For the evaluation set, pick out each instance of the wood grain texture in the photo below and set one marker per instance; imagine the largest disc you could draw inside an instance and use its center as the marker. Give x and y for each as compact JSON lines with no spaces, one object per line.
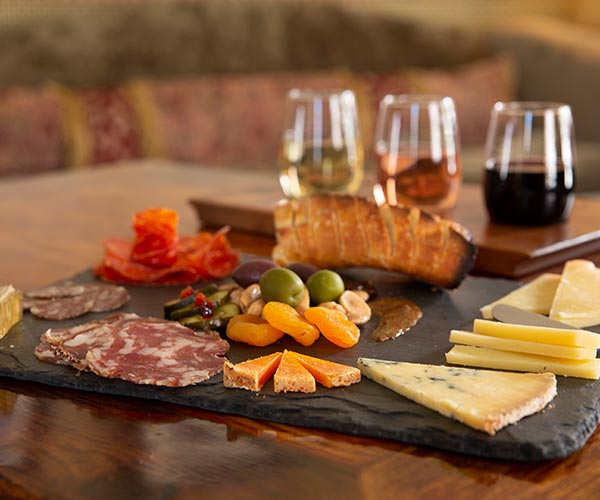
{"x":58,"y":443}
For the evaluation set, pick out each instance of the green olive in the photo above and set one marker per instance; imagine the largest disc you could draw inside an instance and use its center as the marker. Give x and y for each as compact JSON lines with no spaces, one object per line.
{"x":325,"y":286}
{"x":281,"y":285}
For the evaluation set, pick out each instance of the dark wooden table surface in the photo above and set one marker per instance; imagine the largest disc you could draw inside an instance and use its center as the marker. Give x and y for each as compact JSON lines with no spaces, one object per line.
{"x":57,"y":443}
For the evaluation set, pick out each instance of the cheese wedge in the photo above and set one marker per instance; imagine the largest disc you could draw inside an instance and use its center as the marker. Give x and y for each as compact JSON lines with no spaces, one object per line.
{"x":556,"y":336}
{"x":577,"y":298}
{"x":11,"y":311}
{"x":291,"y":376}
{"x":535,"y":296}
{"x":252,"y":374}
{"x":517,"y":361}
{"x":327,"y":373}
{"x":482,"y":399}
{"x":556,"y":351}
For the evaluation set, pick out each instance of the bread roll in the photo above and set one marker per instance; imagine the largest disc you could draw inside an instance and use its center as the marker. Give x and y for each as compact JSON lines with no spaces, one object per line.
{"x":347,"y":231}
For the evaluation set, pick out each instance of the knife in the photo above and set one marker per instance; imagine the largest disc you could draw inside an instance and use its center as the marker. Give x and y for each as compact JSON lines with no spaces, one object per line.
{"x":512,"y":314}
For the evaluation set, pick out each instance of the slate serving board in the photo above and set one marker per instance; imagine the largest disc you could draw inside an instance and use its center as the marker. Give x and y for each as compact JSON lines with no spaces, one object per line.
{"x":364,"y":409}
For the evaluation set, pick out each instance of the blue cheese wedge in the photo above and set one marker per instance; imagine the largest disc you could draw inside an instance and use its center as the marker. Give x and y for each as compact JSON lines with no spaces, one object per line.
{"x":482,"y":399}
{"x":11,"y":311}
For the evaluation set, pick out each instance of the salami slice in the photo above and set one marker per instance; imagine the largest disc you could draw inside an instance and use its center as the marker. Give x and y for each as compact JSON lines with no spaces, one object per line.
{"x":158,"y":353}
{"x":67,"y":289}
{"x":65,"y":308}
{"x":106,"y":297}
{"x":45,"y":351}
{"x":72,"y":344}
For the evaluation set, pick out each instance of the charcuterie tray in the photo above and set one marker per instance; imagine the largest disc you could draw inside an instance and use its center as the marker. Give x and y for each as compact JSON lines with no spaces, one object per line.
{"x":364,"y":409}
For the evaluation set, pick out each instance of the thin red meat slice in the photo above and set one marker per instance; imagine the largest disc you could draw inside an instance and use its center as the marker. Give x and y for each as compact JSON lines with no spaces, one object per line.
{"x":158,"y":353}
{"x":65,"y":308}
{"x":106,"y":297}
{"x":45,"y":351}
{"x":72,"y":344}
{"x":66,"y":289}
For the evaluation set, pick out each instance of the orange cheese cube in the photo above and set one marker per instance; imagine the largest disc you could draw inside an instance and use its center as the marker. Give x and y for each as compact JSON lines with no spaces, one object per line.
{"x":328,"y":373}
{"x":291,"y":376}
{"x":252,"y":374}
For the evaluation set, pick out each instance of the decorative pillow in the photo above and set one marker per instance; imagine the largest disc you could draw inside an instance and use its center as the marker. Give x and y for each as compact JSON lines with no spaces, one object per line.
{"x":475,"y":88}
{"x":213,"y":120}
{"x":31,"y":136}
{"x":223,"y":120}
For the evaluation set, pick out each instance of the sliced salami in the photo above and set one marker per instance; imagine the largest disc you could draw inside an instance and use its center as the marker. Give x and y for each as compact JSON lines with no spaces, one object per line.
{"x":64,"y":308}
{"x":67,"y":289}
{"x":49,"y":353}
{"x":106,"y":297}
{"x":140,"y":350}
{"x":72,"y":344}
{"x":70,"y":301}
{"x":158,"y":353}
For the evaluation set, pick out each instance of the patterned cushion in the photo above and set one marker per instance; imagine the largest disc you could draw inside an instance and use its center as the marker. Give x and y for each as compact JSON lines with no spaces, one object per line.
{"x":213,"y":120}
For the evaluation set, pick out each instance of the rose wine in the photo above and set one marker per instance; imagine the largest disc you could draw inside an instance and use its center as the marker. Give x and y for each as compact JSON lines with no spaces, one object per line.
{"x":528,"y":193}
{"x":422,"y":181}
{"x":308,"y":169}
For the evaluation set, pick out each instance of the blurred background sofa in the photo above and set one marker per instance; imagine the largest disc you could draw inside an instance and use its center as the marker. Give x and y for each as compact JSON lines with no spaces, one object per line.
{"x":87,"y":83}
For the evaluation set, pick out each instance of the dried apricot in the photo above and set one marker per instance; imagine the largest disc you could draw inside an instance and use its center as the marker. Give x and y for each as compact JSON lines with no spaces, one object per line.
{"x":252,"y":329}
{"x":286,"y":318}
{"x":334,"y":325}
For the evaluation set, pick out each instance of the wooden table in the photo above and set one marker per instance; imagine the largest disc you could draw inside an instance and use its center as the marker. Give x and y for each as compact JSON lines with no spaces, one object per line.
{"x":57,"y":443}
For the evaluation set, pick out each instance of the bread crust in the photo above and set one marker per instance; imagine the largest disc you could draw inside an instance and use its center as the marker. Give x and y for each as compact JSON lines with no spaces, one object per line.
{"x":407,"y":240}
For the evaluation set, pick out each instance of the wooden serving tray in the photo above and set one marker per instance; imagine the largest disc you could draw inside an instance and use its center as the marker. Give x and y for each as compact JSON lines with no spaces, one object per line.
{"x":509,"y":251}
{"x":364,"y":409}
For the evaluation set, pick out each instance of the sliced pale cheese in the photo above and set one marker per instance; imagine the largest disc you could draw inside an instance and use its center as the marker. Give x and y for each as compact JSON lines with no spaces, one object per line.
{"x":535,"y":296}
{"x":556,"y":351}
{"x":577,"y":298}
{"x":556,"y":336}
{"x":504,"y":360}
{"x":11,"y":311}
{"x":483,"y":399}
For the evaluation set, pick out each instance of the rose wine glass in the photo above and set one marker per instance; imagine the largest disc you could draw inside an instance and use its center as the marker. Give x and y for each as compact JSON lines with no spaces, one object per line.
{"x":418,"y":152}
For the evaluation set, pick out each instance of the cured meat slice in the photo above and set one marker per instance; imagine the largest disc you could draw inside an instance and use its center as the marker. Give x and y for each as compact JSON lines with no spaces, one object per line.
{"x":65,"y":308}
{"x":69,"y":301}
{"x":158,"y":353}
{"x":45,"y":351}
{"x":72,"y":344}
{"x":106,"y":297}
{"x":67,"y":289}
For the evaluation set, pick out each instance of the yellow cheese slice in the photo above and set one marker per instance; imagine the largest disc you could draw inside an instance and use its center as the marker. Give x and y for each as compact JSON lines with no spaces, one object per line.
{"x":11,"y":311}
{"x":577,"y":299}
{"x":535,"y":296}
{"x":482,"y":399}
{"x":517,"y":361}
{"x":556,"y":336}
{"x":556,"y":351}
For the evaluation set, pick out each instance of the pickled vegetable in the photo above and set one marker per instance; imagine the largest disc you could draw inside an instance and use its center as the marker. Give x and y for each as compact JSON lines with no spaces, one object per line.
{"x":281,"y":285}
{"x":324,"y":286}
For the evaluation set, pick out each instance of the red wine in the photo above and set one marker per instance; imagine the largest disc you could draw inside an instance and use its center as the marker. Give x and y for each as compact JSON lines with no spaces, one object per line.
{"x":527,"y":194}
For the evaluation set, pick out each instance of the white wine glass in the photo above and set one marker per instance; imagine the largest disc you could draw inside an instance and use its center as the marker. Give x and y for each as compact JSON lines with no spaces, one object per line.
{"x":321,"y":148}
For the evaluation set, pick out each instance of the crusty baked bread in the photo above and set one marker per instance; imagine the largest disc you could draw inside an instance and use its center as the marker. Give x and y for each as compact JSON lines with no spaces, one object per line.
{"x":343,"y":231}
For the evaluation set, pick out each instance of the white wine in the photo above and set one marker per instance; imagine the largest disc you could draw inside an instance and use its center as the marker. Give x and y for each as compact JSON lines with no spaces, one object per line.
{"x":308,"y":169}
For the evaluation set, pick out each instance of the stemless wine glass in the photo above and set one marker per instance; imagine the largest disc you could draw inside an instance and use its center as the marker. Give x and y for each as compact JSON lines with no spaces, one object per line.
{"x":418,"y":152}
{"x":529,"y":174}
{"x":321,"y":148}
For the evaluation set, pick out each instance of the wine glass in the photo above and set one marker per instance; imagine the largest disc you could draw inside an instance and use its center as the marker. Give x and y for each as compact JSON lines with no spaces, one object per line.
{"x":529,"y":176}
{"x":418,"y":152}
{"x":321,"y":148}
